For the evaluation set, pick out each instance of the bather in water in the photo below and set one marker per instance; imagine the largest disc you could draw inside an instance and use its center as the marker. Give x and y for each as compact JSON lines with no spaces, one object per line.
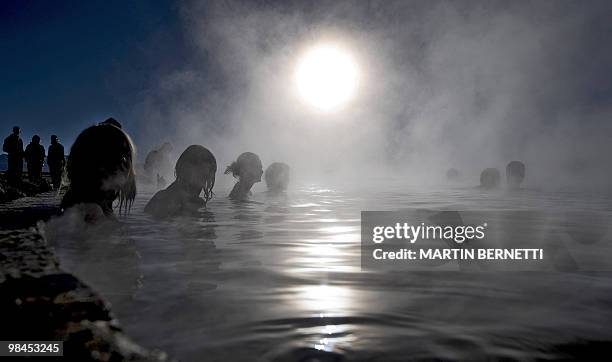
{"x":515,"y":174}
{"x":195,"y":172}
{"x":489,"y":178}
{"x":158,"y":165}
{"x":277,"y":177}
{"x":100,"y":170}
{"x":452,"y":174}
{"x":248,"y":170}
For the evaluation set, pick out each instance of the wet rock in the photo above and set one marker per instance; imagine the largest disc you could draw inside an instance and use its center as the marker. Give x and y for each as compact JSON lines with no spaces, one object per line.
{"x":25,"y":188}
{"x":25,"y":212}
{"x":39,"y":301}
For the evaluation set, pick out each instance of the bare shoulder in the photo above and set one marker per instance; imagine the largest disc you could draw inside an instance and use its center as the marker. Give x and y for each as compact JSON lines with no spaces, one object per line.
{"x":163,"y":203}
{"x":159,"y":199}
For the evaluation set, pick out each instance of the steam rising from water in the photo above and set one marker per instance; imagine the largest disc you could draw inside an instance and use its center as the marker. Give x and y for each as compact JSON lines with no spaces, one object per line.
{"x":443,"y":84}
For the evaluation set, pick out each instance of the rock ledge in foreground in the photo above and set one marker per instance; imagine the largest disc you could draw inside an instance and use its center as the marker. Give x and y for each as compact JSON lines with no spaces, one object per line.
{"x":41,"y":302}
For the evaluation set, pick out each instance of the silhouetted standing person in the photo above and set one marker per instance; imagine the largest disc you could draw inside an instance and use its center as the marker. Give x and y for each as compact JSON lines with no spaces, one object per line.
{"x":13,"y":146}
{"x":55,"y":160}
{"x":35,"y":156}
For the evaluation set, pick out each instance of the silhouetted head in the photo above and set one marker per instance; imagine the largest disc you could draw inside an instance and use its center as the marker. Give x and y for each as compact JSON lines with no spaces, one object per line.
{"x":36,"y":139}
{"x":452,"y":174}
{"x":16,"y":130}
{"x":247,"y":168}
{"x":195,"y":169}
{"x":489,"y":178}
{"x":277,"y":176}
{"x":112,"y":121}
{"x":100,"y":169}
{"x":515,"y":174}
{"x":53,"y":139}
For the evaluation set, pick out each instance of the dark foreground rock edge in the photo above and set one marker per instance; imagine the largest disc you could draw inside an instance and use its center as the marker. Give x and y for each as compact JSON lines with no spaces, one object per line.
{"x":23,"y":189}
{"x":41,"y":302}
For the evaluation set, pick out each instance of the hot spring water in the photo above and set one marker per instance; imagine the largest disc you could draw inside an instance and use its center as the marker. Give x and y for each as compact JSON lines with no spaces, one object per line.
{"x":280,"y":279}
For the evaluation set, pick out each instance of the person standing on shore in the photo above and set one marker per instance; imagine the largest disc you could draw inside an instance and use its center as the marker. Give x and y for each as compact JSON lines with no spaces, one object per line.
{"x":35,"y":156}
{"x":56,"y":161}
{"x":13,"y":146}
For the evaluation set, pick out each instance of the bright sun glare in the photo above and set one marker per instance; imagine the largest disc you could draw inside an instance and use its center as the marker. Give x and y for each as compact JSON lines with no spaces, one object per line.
{"x":326,"y":77}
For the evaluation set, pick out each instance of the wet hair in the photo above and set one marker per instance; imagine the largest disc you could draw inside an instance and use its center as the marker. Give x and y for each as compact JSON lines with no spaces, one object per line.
{"x":244,"y":161}
{"x":112,"y":121}
{"x":277,"y":176}
{"x":190,"y":162}
{"x":100,"y":169}
{"x":489,"y":178}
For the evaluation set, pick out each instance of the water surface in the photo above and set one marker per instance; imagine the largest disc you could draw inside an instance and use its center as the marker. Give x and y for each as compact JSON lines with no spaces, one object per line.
{"x":280,"y":279}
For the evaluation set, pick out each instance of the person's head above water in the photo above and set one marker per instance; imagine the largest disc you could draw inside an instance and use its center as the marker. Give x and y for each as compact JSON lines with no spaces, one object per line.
{"x":277,"y":176}
{"x":489,"y":178}
{"x":100,"y":169}
{"x":36,"y":139}
{"x":16,"y":130}
{"x":246,"y":168}
{"x":452,"y":174}
{"x":515,"y":174}
{"x":53,"y":139}
{"x":166,"y":147}
{"x":195,"y":170}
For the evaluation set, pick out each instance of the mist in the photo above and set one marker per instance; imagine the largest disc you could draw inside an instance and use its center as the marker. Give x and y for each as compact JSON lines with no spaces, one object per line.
{"x":442,"y":84}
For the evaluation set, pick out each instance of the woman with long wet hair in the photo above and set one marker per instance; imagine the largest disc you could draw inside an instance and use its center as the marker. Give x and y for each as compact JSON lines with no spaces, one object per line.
{"x":195,"y":174}
{"x":100,"y":170}
{"x":248,"y":170}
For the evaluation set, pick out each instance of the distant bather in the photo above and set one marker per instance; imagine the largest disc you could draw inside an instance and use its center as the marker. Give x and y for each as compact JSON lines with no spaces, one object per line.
{"x":158,"y":164}
{"x":277,"y":177}
{"x":489,"y":178}
{"x":195,"y":172}
{"x":248,"y":169}
{"x":515,"y":174}
{"x":100,"y":169}
{"x":452,"y":174}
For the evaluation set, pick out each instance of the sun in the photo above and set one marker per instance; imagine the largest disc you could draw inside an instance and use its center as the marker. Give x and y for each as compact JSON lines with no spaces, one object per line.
{"x":326,"y":77}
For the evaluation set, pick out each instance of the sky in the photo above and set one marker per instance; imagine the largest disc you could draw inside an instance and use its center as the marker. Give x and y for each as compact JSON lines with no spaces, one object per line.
{"x":464,"y":84}
{"x":69,"y":64}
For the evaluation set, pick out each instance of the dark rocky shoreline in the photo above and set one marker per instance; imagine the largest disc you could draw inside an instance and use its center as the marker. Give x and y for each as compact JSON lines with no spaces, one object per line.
{"x":25,"y":188}
{"x":41,"y":302}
